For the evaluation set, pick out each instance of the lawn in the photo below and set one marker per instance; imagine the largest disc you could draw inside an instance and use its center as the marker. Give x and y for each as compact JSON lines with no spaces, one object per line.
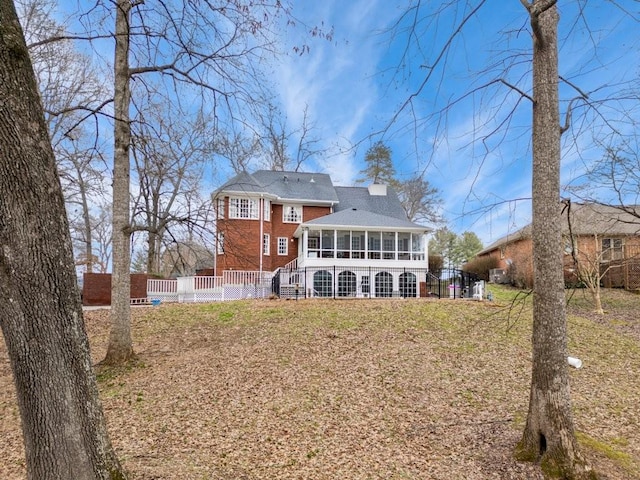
{"x":351,"y":389}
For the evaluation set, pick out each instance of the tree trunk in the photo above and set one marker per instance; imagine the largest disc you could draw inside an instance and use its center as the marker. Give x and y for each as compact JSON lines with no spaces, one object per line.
{"x":86,"y":219}
{"x":120,"y":348}
{"x":549,"y":435}
{"x":153,"y":253}
{"x":597,"y":298}
{"x":40,"y":312}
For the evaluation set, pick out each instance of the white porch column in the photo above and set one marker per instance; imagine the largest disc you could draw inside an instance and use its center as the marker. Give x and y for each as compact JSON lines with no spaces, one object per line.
{"x":426,"y":249}
{"x":305,"y":243}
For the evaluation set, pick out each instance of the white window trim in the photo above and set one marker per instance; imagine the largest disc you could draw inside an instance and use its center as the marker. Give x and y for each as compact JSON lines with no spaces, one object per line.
{"x":266,"y":210}
{"x":283,"y":241}
{"x":266,"y":244}
{"x":236,"y":208}
{"x":292,"y":214}
{"x":220,"y":243}
{"x":221,"y":208}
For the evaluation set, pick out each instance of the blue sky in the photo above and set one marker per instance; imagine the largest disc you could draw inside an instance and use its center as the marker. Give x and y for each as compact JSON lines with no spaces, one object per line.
{"x":472,"y":143}
{"x":354,"y":85}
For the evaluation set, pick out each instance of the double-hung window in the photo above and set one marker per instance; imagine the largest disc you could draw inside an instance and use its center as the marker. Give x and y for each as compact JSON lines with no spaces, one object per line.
{"x":266,"y":210}
{"x":221,"y":208}
{"x":245,"y":208}
{"x":220,"y":243}
{"x":283,"y":246}
{"x":266,"y":244}
{"x":292,"y":213}
{"x":611,"y":249}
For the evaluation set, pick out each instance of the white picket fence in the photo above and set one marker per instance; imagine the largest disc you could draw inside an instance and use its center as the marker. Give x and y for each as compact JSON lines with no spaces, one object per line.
{"x":232,"y":285}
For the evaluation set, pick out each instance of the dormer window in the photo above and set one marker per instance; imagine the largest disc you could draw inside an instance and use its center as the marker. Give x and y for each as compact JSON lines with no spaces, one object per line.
{"x":292,"y":214}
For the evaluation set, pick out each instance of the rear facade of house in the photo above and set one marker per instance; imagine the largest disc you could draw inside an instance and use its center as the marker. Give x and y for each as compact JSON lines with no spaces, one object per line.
{"x":322,"y":239}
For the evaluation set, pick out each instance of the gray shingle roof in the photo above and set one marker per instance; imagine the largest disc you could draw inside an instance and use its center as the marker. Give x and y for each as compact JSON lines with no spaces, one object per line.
{"x":293,"y":186}
{"x":586,"y":219}
{"x":242,"y":183}
{"x":353,"y":206}
{"x":354,"y":218}
{"x":360,"y":198}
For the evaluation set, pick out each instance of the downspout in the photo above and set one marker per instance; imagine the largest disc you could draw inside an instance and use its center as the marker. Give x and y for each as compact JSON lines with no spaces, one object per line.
{"x":261,"y":240}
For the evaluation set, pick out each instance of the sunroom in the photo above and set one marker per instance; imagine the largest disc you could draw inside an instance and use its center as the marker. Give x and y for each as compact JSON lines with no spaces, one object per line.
{"x":359,"y":253}
{"x":361,"y":238}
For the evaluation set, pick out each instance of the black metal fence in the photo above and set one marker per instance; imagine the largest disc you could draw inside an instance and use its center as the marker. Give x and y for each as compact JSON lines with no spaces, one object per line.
{"x":372,"y":282}
{"x":451,"y":283}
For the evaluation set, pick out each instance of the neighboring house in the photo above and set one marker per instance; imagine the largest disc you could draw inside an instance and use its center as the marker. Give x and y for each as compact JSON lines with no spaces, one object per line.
{"x":185,"y":258}
{"x":600,"y":233}
{"x":345,"y":241}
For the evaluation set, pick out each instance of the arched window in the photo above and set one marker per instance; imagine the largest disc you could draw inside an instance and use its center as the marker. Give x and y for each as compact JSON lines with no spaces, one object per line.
{"x":408,"y":285}
{"x":347,"y":284}
{"x":384,"y":284}
{"x":323,"y":283}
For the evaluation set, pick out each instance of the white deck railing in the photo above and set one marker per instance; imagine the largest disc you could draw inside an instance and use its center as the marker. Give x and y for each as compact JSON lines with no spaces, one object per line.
{"x":233,"y":284}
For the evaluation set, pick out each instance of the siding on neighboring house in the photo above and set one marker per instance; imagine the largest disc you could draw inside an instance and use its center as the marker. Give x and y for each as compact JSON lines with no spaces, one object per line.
{"x":515,"y":251}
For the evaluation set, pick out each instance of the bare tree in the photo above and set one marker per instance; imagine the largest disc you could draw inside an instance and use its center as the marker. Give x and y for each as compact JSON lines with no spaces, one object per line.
{"x":40,"y":313}
{"x":212,"y":50}
{"x":68,"y":87}
{"x":549,"y":434}
{"x":500,"y":88}
{"x":120,"y":349}
{"x":614,"y":178}
{"x":169,"y":157}
{"x":102,"y":237}
{"x":238,"y":149}
{"x":420,"y":200}
{"x":277,"y":137}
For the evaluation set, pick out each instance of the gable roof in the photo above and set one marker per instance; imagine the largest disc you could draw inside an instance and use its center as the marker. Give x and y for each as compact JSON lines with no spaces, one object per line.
{"x":292,"y":186}
{"x":586,"y":219}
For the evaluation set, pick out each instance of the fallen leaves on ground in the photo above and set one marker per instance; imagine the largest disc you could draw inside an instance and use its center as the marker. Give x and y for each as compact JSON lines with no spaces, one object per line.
{"x":345,"y":389}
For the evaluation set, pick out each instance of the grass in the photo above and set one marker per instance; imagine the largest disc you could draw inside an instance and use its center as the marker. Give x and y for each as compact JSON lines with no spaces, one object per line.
{"x":359,"y":389}
{"x":467,"y":343}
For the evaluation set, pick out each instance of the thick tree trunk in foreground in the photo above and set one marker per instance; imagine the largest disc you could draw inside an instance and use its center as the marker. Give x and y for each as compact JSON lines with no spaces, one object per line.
{"x":40,"y":312}
{"x":549,"y":435}
{"x":120,"y":348}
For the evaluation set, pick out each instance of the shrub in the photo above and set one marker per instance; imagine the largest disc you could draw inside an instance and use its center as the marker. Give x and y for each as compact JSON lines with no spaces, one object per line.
{"x":481,"y":266}
{"x":436,"y":262}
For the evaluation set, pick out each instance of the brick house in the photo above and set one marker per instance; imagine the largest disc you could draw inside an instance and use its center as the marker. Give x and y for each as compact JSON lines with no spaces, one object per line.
{"x":591,"y":232}
{"x":324,"y":235}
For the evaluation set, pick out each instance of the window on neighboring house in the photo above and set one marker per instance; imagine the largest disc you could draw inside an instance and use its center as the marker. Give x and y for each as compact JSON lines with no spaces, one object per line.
{"x":246,"y":208}
{"x":292,"y":214}
{"x":266,"y":244}
{"x":266,"y":210}
{"x":570,"y":246}
{"x":611,"y":249}
{"x":221,"y":208}
{"x":220,"y":243}
{"x":283,"y":246}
